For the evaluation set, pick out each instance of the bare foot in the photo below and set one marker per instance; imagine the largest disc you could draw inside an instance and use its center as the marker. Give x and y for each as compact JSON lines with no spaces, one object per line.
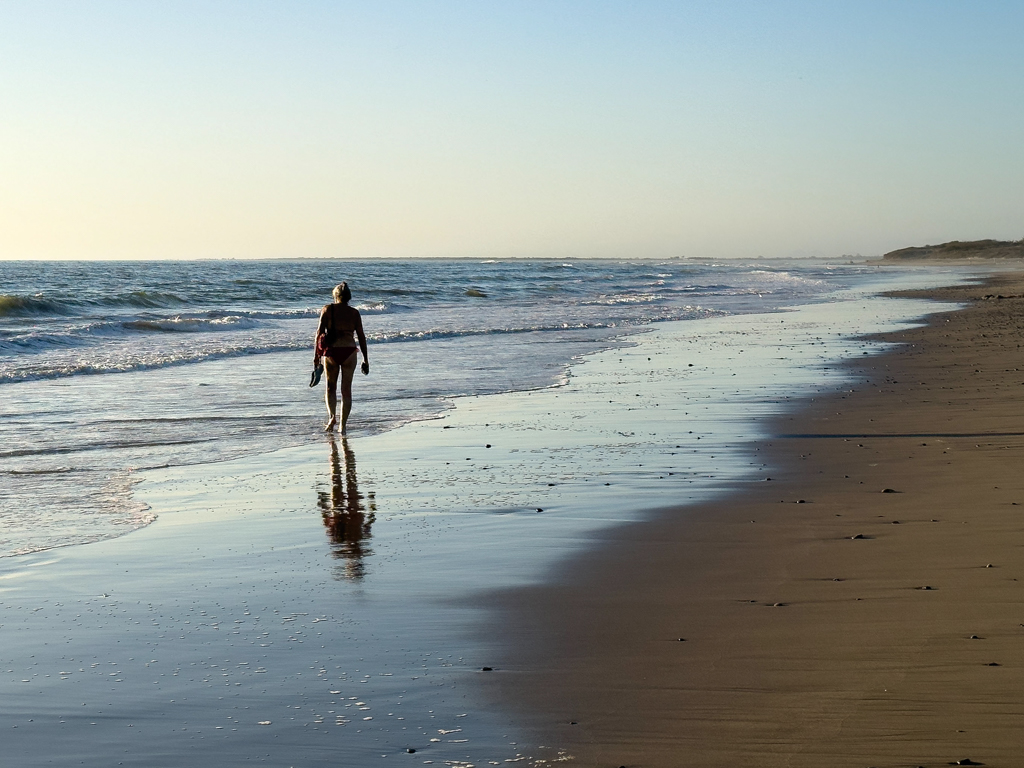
{"x":329,"y":426}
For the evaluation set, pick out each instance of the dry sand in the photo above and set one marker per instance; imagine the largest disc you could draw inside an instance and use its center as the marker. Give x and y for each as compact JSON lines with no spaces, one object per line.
{"x":865,"y":607}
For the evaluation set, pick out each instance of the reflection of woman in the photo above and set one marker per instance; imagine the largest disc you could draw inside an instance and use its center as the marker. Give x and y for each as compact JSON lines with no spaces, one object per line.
{"x":340,"y":325}
{"x":345,"y":517}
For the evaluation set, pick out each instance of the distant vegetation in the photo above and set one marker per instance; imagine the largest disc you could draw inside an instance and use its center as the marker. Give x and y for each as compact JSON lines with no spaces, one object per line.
{"x":974,"y":249}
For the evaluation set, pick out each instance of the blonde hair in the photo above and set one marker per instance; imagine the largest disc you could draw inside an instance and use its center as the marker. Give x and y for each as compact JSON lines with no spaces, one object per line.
{"x":342,"y":293}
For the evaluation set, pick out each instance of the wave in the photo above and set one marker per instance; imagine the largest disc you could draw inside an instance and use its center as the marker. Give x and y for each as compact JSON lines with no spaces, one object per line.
{"x":434,"y":334}
{"x":681,"y":313}
{"x":14,"y":305}
{"x":50,"y":369}
{"x":35,"y":340}
{"x":755,"y":282}
{"x":82,"y":333}
{"x":787,"y":280}
{"x":373,"y":307}
{"x":134,"y":354}
{"x":623,"y":298}
{"x":265,"y":314}
{"x":148,"y":299}
{"x":53,"y":471}
{"x":21,"y":306}
{"x":369,"y":307}
{"x":39,"y":341}
{"x":421,"y":292}
{"x":180,"y":324}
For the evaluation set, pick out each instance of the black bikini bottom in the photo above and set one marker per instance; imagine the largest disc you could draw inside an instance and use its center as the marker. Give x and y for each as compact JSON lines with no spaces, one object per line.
{"x":339,"y":355}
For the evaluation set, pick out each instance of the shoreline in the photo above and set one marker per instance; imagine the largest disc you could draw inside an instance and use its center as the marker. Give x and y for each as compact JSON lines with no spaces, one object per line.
{"x":861,"y":608}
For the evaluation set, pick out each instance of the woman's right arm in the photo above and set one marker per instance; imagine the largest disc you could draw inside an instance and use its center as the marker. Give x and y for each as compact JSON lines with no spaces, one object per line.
{"x":322,"y":325}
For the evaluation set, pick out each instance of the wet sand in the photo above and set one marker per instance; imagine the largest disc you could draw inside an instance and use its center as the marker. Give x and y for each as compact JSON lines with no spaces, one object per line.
{"x":864,"y":607}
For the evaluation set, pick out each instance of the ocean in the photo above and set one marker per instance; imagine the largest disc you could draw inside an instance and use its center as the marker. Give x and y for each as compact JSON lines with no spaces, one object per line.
{"x":111,"y":368}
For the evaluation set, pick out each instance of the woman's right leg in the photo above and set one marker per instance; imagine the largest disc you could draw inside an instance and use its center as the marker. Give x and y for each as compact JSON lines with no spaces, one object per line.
{"x":331,"y":395}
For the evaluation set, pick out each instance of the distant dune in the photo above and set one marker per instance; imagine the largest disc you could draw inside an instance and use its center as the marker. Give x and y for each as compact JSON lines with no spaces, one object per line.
{"x":956,"y":250}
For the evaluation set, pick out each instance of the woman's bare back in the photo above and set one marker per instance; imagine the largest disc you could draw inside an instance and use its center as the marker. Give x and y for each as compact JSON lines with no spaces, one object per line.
{"x":342,"y":322}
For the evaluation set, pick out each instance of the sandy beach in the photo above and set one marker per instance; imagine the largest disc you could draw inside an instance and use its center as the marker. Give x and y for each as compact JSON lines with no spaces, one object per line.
{"x":863,"y":607}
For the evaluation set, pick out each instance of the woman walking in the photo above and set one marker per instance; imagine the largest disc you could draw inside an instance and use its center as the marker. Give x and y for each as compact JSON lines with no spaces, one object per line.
{"x":336,"y":343}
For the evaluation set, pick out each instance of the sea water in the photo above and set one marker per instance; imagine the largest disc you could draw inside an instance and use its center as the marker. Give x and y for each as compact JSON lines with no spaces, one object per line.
{"x":109,"y":368}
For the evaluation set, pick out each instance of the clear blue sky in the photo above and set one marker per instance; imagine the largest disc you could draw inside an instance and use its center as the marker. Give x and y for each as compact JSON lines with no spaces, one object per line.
{"x":181,"y":129}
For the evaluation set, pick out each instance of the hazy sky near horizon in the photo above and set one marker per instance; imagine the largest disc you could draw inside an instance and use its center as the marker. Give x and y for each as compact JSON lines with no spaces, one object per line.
{"x":553,"y":128}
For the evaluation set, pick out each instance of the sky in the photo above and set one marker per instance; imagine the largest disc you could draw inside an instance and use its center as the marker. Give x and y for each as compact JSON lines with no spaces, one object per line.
{"x":557,"y":128}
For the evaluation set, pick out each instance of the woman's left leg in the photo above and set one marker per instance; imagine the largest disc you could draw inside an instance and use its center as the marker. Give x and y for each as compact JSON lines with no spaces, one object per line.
{"x":348,"y":369}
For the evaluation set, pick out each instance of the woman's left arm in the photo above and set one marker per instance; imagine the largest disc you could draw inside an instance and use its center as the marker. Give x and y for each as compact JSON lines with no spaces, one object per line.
{"x":362,"y":342}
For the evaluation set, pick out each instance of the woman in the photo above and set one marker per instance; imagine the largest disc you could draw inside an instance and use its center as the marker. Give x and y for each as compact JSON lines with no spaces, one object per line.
{"x":336,"y":335}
